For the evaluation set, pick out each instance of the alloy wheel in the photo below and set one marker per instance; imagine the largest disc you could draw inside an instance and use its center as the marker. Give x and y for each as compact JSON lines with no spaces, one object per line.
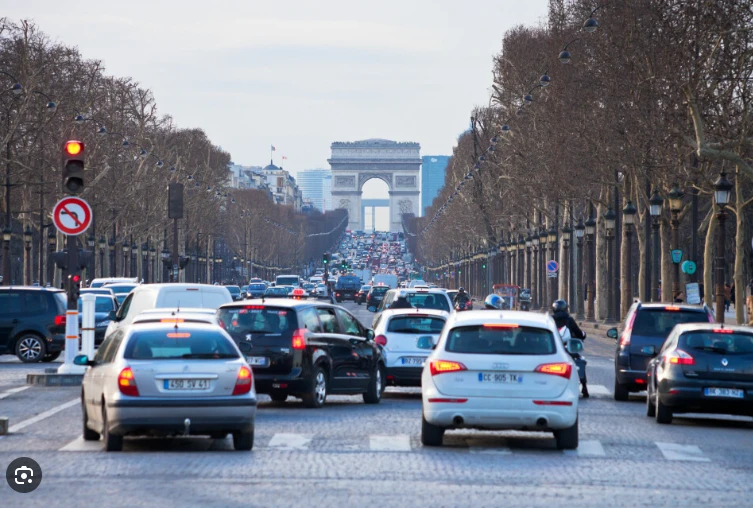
{"x":320,"y":388}
{"x":30,"y":348}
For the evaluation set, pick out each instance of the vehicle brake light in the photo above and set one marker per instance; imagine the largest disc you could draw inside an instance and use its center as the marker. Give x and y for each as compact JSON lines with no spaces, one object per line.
{"x":178,"y":335}
{"x":254,"y":307}
{"x":723,"y":330}
{"x":500,"y":325}
{"x":171,"y":320}
{"x":381,"y":340}
{"x":680,"y":357}
{"x":449,"y":401}
{"x":127,"y":383}
{"x":555,"y":369}
{"x":299,"y":339}
{"x":444,"y":366}
{"x":553,"y":402}
{"x":672,"y":307}
{"x":243,"y":382}
{"x":60,"y":320}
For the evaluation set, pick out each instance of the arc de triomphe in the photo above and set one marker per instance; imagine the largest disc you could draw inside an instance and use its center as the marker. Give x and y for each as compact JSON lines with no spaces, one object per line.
{"x":397,"y":164}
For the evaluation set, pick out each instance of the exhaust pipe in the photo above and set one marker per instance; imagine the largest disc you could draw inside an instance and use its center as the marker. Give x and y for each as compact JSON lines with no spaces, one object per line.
{"x":542,"y":422}
{"x":458,"y":420}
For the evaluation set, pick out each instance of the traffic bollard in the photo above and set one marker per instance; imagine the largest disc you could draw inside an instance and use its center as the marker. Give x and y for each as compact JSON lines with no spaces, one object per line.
{"x":71,"y":344}
{"x":87,"y":324}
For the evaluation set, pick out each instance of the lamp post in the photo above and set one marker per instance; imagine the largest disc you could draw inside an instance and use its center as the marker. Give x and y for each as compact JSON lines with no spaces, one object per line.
{"x":580,"y":231}
{"x":521,"y":260}
{"x":7,"y":234}
{"x":145,"y":260}
{"x":535,"y":269}
{"x":221,"y":277}
{"x":52,"y":241}
{"x":552,"y":239}
{"x":134,"y":260}
{"x":165,"y":257}
{"x":591,"y":269}
{"x":675,"y":206}
{"x":628,"y":217}
{"x":543,"y":239}
{"x":111,"y":248}
{"x":126,"y":264}
{"x":90,"y":242}
{"x":529,"y":244}
{"x":610,"y":219}
{"x":27,"y":255}
{"x":655,"y":205}
{"x":722,"y":192}
{"x":566,"y":234}
{"x":102,"y":244}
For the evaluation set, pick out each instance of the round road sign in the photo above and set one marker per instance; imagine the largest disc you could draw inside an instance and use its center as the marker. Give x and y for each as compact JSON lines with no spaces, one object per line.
{"x":72,"y":216}
{"x":552,"y":266}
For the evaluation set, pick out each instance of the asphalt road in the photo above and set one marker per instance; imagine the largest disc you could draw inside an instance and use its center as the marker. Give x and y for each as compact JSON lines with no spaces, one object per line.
{"x":351,"y":454}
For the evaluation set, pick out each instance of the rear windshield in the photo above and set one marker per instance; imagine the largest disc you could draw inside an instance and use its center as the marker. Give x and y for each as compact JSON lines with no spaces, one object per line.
{"x":287,"y":281}
{"x":234,"y":289}
{"x":428,"y":301}
{"x":276,"y":291}
{"x":736,"y":343}
{"x":659,"y":322}
{"x":121,"y":289}
{"x":101,"y":305}
{"x":488,"y":340}
{"x":196,"y":298}
{"x":416,"y":324}
{"x":379,"y":290}
{"x":257,"y":287}
{"x":348,"y":280}
{"x":176,"y":344}
{"x":251,"y":319}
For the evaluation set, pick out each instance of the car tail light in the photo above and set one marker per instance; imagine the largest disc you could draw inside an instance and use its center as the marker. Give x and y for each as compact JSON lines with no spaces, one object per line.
{"x":680,"y":357}
{"x":723,"y":330}
{"x":674,"y":308}
{"x":243,"y":382}
{"x":443,"y":367}
{"x":449,"y":401}
{"x":127,"y":383}
{"x":625,"y":337}
{"x":555,"y":369}
{"x":500,"y":325}
{"x":381,"y":340}
{"x":60,"y":320}
{"x":553,"y":402}
{"x":299,"y":339}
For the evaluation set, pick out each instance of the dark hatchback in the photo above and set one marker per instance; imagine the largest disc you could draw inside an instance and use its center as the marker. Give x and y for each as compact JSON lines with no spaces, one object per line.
{"x":646,"y":328}
{"x":32,"y":323}
{"x":376,"y":295}
{"x":704,"y":368}
{"x":306,"y":349}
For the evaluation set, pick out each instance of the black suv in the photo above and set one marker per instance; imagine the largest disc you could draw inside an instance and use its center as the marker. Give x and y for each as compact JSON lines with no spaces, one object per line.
{"x":306,"y":349}
{"x":645,"y":329}
{"x":347,"y":287}
{"x":32,"y":323}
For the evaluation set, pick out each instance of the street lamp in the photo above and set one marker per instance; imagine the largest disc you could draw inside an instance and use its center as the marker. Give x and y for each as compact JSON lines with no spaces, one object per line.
{"x":27,"y":249}
{"x":529,"y":244}
{"x":580,"y":231}
{"x":165,"y":255}
{"x":52,"y":241}
{"x":565,"y":234}
{"x":102,"y":244}
{"x":610,"y":219}
{"x":7,"y":234}
{"x":90,"y":242}
{"x":111,"y":247}
{"x":535,"y":282}
{"x":655,"y":208}
{"x":134,"y":263}
{"x":675,"y":206}
{"x":126,"y":264}
{"x":628,"y":217}
{"x":591,"y":279}
{"x":722,"y":192}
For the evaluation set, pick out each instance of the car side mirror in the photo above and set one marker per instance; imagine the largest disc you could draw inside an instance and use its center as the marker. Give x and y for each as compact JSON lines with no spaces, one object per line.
{"x":370,"y":334}
{"x":425,"y":342}
{"x":649,"y":350}
{"x":83,"y":361}
{"x":612,"y":333}
{"x":371,"y":308}
{"x":111,"y":315}
{"x":574,"y":346}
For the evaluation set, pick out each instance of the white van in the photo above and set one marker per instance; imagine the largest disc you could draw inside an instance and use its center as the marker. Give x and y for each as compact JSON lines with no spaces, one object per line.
{"x":162,"y":296}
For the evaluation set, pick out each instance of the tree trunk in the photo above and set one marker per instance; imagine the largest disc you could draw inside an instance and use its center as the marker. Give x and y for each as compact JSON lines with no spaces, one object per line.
{"x":601,"y":266}
{"x":708,"y":262}
{"x":639,"y":240}
{"x":739,"y":251}
{"x":666,"y":262}
{"x":626,"y":285}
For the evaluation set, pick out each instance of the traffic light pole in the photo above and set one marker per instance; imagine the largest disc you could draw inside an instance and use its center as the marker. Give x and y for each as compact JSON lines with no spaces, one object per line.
{"x":71,"y":313}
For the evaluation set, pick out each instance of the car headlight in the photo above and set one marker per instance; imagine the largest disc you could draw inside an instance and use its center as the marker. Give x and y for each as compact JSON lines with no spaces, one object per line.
{"x":101,"y":324}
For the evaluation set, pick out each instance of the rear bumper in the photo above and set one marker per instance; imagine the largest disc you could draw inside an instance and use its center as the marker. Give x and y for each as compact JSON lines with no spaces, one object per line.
{"x":55,"y":343}
{"x":292,"y":383}
{"x":688,"y":397}
{"x":404,"y":376}
{"x":637,"y":378}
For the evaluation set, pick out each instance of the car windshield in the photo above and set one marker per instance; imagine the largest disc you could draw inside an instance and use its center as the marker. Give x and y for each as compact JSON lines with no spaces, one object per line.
{"x":659,"y":322}
{"x":722,"y":341}
{"x":175,"y":344}
{"x":365,"y":288}
{"x":428,"y":301}
{"x":379,"y":291}
{"x":287,"y":281}
{"x":121,"y":289}
{"x":235,"y":290}
{"x":240,"y":321}
{"x":501,"y":340}
{"x":257,"y":287}
{"x":103,"y":304}
{"x":276,"y":291}
{"x":416,"y":324}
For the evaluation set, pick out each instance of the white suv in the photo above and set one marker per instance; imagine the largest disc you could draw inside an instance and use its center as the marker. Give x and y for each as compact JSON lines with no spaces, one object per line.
{"x":500,"y":371}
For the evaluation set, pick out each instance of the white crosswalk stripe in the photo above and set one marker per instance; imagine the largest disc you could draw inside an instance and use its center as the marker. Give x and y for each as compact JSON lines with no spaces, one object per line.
{"x":79,"y":445}
{"x":290,"y":442}
{"x":599,"y":391}
{"x":587,"y":449}
{"x":397,"y":443}
{"x":674,"y":451}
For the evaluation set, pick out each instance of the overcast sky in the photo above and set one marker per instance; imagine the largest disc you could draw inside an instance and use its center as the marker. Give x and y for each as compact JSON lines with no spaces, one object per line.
{"x":298,"y":74}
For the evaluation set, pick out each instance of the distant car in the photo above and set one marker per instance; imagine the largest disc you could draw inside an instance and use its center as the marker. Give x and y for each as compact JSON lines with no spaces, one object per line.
{"x":32,"y":322}
{"x":493,"y":371}
{"x":361,"y":295}
{"x":97,"y":283}
{"x":646,"y":325}
{"x":255,"y":289}
{"x":170,"y":379}
{"x":276,"y":292}
{"x":322,"y":291}
{"x":105,"y":307}
{"x":121,"y":289}
{"x":418,"y":298}
{"x":235,"y":292}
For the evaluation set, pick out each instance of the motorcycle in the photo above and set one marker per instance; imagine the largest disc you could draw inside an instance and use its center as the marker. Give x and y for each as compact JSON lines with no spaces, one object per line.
{"x":461,"y":307}
{"x":574,"y":348}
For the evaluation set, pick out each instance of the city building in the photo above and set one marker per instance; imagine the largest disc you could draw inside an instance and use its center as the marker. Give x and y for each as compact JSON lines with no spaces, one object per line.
{"x":312,"y":184}
{"x":283,"y":186}
{"x":432,"y":178}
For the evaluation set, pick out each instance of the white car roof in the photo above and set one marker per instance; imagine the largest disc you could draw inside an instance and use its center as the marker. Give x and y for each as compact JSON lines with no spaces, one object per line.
{"x":187,"y":310}
{"x":193,"y":316}
{"x":388,"y":313}
{"x":481,"y":317}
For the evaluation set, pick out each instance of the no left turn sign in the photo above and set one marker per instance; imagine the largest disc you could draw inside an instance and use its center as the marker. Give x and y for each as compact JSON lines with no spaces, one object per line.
{"x":72,"y":216}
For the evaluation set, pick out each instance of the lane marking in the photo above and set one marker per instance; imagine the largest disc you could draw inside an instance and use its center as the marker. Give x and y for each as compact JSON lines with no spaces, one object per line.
{"x":398,"y":443}
{"x":42,"y":416}
{"x":599,"y":390}
{"x":587,"y":449}
{"x":674,"y":451}
{"x":290,"y":442}
{"x":79,"y":445}
{"x":8,"y":393}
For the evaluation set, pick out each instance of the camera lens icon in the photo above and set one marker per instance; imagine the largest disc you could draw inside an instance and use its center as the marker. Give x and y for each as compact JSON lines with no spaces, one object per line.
{"x":23,"y":475}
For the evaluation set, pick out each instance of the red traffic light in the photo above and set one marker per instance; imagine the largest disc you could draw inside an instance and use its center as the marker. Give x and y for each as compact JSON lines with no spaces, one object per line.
{"x":76,"y":278}
{"x":74,"y":147}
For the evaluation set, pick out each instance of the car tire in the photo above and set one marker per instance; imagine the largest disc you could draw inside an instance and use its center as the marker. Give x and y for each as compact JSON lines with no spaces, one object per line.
{"x":278,"y":396}
{"x":650,"y":406}
{"x":317,"y":394}
{"x":373,"y":394}
{"x":30,"y":348}
{"x":431,"y":435}
{"x":621,"y":391}
{"x":567,"y":439}
{"x":89,"y":434}
{"x":113,"y":443}
{"x":663,"y":413}
{"x":51,"y":357}
{"x":243,"y":441}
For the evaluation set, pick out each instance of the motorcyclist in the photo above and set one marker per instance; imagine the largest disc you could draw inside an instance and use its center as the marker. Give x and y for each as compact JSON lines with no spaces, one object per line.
{"x":461,"y":299}
{"x":493,"y":302}
{"x":564,"y":320}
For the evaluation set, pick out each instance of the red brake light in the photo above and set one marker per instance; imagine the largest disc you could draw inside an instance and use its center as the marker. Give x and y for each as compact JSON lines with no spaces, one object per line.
{"x":299,"y":339}
{"x":555,"y":369}
{"x":443,"y":366}
{"x":178,"y":335}
{"x":127,"y":383}
{"x":723,"y":330}
{"x":672,"y":307}
{"x":171,"y":320}
{"x":243,"y":382}
{"x":60,"y":320}
{"x":381,"y":340}
{"x":500,"y":325}
{"x":680,"y":357}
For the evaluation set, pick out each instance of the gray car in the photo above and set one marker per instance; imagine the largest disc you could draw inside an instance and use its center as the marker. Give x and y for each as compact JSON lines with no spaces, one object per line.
{"x":168,"y":378}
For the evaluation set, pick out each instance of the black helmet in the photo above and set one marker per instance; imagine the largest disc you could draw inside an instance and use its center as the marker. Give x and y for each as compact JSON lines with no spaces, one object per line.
{"x":559,"y":306}
{"x":461,"y":290}
{"x":493,"y":302}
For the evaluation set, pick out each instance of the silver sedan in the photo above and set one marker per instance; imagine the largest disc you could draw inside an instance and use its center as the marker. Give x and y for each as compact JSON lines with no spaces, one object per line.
{"x":168,"y":378}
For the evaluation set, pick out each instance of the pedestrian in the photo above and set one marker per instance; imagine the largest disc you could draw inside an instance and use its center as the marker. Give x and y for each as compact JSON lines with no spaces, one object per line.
{"x":727,"y":291}
{"x":732,"y":293}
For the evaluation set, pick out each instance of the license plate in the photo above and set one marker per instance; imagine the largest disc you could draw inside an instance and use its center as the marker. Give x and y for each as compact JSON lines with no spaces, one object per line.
{"x":499,"y":377}
{"x":724,"y":392}
{"x":257,"y":361}
{"x":413,"y":360}
{"x":186,"y":384}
